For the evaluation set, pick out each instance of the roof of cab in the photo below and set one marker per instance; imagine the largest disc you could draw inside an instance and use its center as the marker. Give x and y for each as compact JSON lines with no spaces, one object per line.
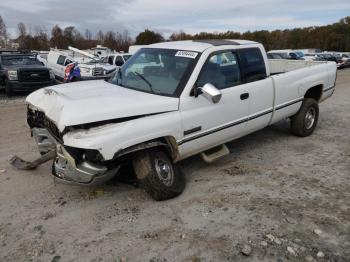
{"x":199,"y":45}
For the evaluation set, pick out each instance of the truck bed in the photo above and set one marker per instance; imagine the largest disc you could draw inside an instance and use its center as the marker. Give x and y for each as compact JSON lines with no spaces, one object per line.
{"x":292,"y":78}
{"x":278,"y":66}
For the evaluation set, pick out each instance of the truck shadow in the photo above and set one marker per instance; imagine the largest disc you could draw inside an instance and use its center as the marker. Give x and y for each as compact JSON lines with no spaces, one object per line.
{"x":244,"y":145}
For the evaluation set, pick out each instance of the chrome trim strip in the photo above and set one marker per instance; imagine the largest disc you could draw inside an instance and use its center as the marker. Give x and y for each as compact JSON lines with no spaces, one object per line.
{"x":238,"y":122}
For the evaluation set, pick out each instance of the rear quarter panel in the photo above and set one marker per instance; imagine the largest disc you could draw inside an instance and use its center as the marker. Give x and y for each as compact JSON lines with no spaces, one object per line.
{"x":290,"y":87}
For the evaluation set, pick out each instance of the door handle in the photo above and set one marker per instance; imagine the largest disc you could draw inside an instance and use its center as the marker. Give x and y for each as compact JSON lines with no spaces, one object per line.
{"x":244,"y":96}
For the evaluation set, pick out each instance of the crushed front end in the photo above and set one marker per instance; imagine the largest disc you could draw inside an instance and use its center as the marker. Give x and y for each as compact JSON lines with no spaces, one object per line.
{"x":74,"y":166}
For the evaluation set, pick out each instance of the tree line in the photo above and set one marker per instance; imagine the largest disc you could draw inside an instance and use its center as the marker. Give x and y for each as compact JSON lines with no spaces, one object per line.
{"x":335,"y":37}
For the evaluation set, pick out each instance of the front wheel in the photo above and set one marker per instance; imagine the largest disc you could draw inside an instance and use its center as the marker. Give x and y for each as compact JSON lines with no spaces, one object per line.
{"x":305,"y":121}
{"x":158,"y":175}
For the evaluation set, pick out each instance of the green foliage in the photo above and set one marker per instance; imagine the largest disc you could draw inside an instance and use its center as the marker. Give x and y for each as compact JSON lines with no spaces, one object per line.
{"x":148,"y":37}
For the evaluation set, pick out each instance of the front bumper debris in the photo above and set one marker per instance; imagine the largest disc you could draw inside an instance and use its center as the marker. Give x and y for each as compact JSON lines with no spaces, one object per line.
{"x":65,"y":170}
{"x":25,"y":165}
{"x":44,"y":140}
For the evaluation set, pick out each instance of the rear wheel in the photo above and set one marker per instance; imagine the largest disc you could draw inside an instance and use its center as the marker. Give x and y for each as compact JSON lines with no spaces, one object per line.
{"x":8,"y":89}
{"x":305,"y":121}
{"x":158,"y":175}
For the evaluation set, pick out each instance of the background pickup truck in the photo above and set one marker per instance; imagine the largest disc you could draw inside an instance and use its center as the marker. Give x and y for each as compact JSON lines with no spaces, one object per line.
{"x":170,"y":101}
{"x":20,"y":71}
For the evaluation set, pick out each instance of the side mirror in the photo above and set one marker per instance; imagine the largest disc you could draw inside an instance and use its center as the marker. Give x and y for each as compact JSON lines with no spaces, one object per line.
{"x":211,"y":93}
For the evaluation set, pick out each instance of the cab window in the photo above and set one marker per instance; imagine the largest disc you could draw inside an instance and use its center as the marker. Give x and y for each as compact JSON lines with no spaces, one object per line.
{"x":119,"y":61}
{"x":253,"y":64}
{"x":221,"y":70}
{"x":110,"y":60}
{"x":61,"y":60}
{"x":68,"y":62}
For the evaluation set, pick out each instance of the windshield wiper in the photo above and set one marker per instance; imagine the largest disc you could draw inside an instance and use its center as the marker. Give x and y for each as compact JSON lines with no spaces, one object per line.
{"x":146,"y":81}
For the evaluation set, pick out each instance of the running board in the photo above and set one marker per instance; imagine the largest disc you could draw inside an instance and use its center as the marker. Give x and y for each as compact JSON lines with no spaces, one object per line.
{"x":215,"y":153}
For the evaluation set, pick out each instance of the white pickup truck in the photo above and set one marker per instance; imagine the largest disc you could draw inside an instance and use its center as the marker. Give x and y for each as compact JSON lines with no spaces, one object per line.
{"x":170,"y":101}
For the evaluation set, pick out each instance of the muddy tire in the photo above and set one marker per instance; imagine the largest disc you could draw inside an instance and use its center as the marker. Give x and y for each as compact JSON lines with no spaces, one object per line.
{"x":8,"y":89}
{"x":158,"y":175}
{"x":305,"y":121}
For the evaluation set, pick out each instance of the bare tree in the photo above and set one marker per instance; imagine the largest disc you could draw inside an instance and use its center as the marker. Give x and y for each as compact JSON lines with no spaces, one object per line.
{"x":23,"y":39}
{"x":100,"y":36}
{"x":3,"y":33}
{"x":22,"y":30}
{"x":56,"y":37}
{"x":88,"y":35}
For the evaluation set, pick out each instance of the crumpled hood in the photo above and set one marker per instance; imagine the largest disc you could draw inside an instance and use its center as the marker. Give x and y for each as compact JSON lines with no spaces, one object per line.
{"x":93,"y":101}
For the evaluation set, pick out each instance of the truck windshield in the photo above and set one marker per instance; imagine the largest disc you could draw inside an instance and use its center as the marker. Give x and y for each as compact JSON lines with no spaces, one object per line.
{"x":157,"y":71}
{"x":20,"y":60}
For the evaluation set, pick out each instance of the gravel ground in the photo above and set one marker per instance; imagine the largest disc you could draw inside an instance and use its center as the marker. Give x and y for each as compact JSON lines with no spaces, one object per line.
{"x":277,"y":197}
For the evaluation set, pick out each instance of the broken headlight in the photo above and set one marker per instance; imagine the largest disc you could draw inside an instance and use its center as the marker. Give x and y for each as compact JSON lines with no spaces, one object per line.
{"x":90,"y":155}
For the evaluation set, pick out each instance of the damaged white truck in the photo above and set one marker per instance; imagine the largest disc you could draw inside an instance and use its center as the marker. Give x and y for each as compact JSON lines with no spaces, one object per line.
{"x":168,"y":102}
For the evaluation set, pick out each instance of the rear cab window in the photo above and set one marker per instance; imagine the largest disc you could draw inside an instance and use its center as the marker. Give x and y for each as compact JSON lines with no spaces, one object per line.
{"x":252,"y":64}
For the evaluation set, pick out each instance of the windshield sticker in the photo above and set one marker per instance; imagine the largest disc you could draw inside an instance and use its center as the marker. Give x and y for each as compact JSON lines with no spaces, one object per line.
{"x":187,"y":54}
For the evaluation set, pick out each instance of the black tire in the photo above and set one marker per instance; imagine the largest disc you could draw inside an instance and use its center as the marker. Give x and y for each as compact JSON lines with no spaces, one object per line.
{"x":8,"y":89}
{"x":303,"y":124}
{"x":148,"y":168}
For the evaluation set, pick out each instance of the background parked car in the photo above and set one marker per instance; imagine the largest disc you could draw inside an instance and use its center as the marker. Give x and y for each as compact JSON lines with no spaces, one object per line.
{"x":23,"y":72}
{"x":90,"y":67}
{"x":117,"y":59}
{"x":274,"y":56}
{"x":288,"y":54}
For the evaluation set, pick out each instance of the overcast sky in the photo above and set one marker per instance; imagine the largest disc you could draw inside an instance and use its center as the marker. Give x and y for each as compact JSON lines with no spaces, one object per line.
{"x":191,"y":16}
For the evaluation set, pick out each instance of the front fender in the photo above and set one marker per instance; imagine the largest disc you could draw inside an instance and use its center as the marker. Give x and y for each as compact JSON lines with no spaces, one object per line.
{"x":112,"y":138}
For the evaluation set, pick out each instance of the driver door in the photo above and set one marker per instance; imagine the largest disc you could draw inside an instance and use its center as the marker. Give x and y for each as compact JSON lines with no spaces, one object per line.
{"x":206,"y":124}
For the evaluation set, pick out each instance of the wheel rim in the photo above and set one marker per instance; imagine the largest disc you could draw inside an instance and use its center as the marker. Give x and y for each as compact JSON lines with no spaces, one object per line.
{"x":310,"y":118}
{"x":164,"y":171}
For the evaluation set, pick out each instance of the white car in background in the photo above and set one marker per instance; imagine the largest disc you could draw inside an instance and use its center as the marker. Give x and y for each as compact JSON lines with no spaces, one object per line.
{"x":117,"y":59}
{"x":288,"y":54}
{"x":90,"y":67}
{"x":42,"y":57}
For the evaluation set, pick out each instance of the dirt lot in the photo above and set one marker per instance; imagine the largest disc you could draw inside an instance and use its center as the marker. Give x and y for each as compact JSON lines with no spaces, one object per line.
{"x":283,"y":197}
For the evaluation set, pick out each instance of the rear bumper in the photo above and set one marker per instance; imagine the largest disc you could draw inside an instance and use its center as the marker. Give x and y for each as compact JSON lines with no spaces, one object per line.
{"x":18,"y":86}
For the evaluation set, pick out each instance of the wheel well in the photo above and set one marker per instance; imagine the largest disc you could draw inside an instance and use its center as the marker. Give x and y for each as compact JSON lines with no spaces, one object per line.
{"x":169,"y":143}
{"x":314,"y":92}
